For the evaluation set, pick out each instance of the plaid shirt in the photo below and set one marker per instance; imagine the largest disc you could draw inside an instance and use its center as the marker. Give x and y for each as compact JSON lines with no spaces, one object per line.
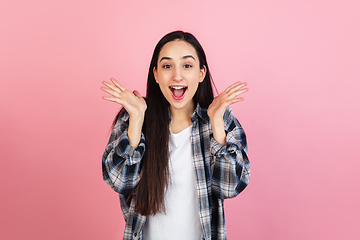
{"x":221,"y":171}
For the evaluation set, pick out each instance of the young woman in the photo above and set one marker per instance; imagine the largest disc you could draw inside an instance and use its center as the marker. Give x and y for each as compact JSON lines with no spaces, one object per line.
{"x":174,"y":156}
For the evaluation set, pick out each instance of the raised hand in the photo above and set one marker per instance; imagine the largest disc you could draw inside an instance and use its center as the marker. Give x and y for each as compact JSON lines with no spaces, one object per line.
{"x":133,"y":103}
{"x":218,"y":106}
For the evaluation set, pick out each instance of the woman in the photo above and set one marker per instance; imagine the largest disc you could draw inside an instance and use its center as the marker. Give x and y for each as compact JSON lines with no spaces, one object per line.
{"x":174,"y":157}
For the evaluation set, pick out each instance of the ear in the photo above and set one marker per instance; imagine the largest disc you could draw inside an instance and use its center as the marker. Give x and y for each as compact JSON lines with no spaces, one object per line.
{"x":202,"y":74}
{"x":155,"y":74}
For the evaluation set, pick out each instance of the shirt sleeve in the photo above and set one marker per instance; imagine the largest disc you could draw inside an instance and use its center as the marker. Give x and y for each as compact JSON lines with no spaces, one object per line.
{"x":230,"y":165}
{"x":120,"y":161}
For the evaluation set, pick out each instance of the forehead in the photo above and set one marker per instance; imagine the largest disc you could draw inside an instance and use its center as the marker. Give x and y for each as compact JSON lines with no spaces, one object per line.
{"x":177,"y":49}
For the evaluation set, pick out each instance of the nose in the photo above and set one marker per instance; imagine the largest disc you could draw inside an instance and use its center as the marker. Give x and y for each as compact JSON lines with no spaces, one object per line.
{"x":177,"y":74}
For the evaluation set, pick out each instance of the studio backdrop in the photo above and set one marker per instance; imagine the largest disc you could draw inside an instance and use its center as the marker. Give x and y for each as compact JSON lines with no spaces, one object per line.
{"x":301,"y":114}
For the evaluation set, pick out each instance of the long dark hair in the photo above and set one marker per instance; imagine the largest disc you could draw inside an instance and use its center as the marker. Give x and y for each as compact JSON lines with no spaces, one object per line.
{"x":155,"y":168}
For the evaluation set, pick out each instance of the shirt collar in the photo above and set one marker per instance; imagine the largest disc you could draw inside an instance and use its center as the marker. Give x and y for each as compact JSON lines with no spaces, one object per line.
{"x":200,"y":113}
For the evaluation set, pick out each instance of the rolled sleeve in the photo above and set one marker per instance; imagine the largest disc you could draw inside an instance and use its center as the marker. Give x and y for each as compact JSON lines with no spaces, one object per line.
{"x":121,"y":162}
{"x":124,"y":150}
{"x":219,"y":150}
{"x":230,"y":163}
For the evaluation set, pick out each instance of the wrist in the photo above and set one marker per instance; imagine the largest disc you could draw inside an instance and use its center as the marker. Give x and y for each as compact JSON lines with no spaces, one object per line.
{"x":137,"y":120}
{"x":217,"y":123}
{"x":219,"y":131}
{"x":134,"y":130}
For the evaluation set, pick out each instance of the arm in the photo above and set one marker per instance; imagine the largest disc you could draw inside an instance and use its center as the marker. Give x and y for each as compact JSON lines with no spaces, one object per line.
{"x":230,"y":165}
{"x":133,"y":103}
{"x":125,"y":149}
{"x":121,"y":161}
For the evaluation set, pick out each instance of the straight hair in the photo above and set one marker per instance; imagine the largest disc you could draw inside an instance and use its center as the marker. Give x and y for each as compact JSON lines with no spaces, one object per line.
{"x":155,"y":176}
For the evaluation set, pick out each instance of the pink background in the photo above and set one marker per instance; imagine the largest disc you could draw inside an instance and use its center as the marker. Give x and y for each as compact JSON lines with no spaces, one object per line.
{"x":301,"y":115}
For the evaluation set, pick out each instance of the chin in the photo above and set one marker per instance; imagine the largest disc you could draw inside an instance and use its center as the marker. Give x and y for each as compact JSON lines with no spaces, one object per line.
{"x":177,"y":106}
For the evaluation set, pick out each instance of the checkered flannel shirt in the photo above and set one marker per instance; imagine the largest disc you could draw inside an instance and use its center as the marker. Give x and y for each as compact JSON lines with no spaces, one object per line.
{"x":221,"y":171}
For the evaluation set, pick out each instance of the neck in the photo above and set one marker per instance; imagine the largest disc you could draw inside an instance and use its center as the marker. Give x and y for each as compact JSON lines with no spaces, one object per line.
{"x":180,"y":118}
{"x":183,"y":113}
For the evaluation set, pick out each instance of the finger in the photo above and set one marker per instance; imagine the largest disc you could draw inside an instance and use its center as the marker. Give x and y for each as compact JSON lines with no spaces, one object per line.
{"x":238,"y":99}
{"x":232,"y":86}
{"x":111,"y":92}
{"x":237,"y":93}
{"x":227,"y":103}
{"x":118,"y":84}
{"x":112,"y":99}
{"x":235,"y":100}
{"x":236,"y":87}
{"x":137,"y":94}
{"x":117,"y":100}
{"x":111,"y":86}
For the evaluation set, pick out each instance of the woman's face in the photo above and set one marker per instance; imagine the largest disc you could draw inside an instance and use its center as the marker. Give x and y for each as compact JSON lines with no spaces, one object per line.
{"x":178,"y":74}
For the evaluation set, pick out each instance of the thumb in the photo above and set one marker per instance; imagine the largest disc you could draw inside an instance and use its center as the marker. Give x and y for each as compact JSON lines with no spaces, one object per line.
{"x":137,"y":94}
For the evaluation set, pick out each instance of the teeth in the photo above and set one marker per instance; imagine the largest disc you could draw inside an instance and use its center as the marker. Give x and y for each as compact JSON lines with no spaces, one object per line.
{"x":178,"y":87}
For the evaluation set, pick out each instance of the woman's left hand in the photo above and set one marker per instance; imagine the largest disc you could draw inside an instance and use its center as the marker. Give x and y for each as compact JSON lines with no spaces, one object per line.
{"x":218,"y":106}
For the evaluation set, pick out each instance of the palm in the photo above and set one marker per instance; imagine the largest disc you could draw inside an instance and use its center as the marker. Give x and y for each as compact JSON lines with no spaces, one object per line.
{"x":218,"y":106}
{"x":133,"y":103}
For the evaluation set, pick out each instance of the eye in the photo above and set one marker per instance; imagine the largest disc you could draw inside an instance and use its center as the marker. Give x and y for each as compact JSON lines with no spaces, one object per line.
{"x":187,"y":66}
{"x":166,"y":66}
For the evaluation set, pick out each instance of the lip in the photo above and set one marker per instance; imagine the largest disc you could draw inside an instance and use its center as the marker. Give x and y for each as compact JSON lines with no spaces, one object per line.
{"x":182,"y":96}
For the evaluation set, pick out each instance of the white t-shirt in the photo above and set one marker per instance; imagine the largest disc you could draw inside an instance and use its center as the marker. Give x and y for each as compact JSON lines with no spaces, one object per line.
{"x":182,"y":219}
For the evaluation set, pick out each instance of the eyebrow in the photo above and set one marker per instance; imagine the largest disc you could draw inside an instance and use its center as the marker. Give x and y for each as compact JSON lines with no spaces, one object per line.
{"x":188,"y":56}
{"x":184,"y":57}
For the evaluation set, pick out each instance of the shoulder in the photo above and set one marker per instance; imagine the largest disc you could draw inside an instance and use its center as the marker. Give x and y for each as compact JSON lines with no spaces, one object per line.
{"x":202,"y":113}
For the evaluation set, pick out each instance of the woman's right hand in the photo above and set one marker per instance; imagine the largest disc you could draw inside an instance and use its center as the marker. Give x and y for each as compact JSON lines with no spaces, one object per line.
{"x":133,"y":103}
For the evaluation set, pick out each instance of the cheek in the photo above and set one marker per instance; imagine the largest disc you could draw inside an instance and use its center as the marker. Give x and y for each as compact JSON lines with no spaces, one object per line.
{"x":193,"y":75}
{"x":163,"y":77}
{"x":195,"y":79}
{"x":163,"y":88}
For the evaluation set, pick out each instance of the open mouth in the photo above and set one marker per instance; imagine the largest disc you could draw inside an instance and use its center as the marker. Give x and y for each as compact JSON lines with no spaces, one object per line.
{"x":178,"y":92}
